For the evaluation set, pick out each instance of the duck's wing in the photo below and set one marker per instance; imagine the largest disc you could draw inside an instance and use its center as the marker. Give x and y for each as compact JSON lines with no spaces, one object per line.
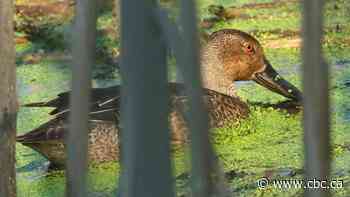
{"x":101,"y":99}
{"x":57,"y":127}
{"x":51,"y":130}
{"x":221,"y":108}
{"x":49,"y":138}
{"x":104,"y":107}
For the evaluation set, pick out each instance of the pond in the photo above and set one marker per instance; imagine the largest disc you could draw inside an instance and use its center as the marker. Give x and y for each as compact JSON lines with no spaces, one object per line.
{"x":268,"y":142}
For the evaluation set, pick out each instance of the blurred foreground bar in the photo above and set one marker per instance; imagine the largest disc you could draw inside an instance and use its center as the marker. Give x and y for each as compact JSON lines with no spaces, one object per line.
{"x":146,"y":166}
{"x":316,"y":101}
{"x":83,"y":47}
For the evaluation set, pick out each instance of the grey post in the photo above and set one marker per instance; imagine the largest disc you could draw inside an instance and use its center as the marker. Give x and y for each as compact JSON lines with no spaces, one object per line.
{"x":316,"y":102}
{"x":200,"y":145}
{"x":8,"y":101}
{"x":83,"y":46}
{"x":146,"y":167}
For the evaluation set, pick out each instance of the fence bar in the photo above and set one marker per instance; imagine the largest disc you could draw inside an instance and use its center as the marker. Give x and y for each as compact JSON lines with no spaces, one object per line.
{"x":200,"y":145}
{"x":146,"y":166}
{"x":8,"y":101}
{"x":84,"y":41}
{"x":316,"y":102}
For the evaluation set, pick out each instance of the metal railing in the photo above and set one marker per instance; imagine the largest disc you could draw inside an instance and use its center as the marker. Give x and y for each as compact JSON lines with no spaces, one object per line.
{"x":316,"y":101}
{"x":146,"y":167}
{"x":8,"y":103}
{"x":83,"y":48}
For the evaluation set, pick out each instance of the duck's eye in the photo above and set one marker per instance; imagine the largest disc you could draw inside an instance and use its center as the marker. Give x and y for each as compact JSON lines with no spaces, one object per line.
{"x":248,"y":48}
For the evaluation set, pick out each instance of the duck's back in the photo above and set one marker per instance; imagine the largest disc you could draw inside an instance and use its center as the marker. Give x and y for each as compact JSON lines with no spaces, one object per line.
{"x":106,"y":101}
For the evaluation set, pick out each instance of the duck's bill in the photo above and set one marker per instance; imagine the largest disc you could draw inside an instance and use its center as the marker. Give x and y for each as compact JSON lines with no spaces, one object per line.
{"x":271,"y":80}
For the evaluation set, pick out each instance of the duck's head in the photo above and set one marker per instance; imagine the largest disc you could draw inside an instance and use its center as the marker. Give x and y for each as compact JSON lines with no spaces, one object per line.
{"x":232,"y":55}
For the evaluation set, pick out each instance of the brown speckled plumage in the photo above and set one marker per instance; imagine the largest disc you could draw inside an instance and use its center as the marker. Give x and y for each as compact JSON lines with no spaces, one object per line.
{"x":224,"y":59}
{"x":104,"y":118}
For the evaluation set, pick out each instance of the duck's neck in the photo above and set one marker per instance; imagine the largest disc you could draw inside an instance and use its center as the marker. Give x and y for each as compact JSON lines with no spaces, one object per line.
{"x":213,"y":74}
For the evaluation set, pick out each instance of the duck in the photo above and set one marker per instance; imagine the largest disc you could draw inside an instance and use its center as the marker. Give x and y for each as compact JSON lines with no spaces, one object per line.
{"x":226,"y":13}
{"x":220,"y":13}
{"x":230,"y":55}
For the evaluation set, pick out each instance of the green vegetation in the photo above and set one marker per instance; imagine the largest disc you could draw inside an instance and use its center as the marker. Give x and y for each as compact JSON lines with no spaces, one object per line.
{"x":267,"y":144}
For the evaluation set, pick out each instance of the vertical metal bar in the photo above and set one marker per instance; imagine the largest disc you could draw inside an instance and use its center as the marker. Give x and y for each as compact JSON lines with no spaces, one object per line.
{"x":83,"y":58}
{"x":117,"y":17}
{"x":200,"y":145}
{"x":316,"y":102}
{"x":8,"y":101}
{"x":146,"y":166}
